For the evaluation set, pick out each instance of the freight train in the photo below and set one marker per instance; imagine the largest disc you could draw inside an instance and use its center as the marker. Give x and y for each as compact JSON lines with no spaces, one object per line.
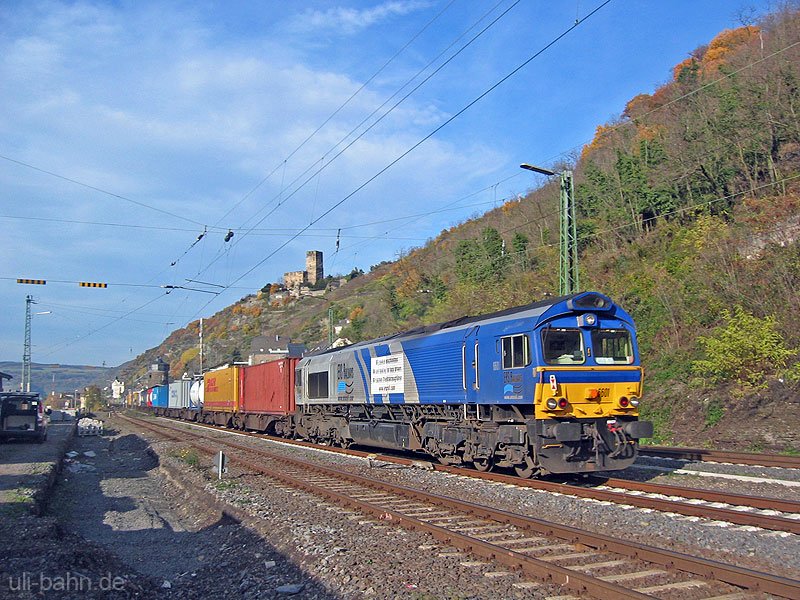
{"x":550,"y":387}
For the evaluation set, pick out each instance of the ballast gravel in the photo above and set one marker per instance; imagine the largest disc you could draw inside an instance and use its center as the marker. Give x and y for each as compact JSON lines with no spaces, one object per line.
{"x":149,"y":512}
{"x":775,"y":552}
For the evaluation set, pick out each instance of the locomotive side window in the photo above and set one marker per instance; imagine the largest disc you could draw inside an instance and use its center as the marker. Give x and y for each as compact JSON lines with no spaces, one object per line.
{"x":612,"y":346}
{"x":516,"y":351}
{"x":563,"y":347}
{"x":318,"y":385}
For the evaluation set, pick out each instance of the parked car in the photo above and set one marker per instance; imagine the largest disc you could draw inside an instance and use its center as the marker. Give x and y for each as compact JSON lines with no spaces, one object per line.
{"x":22,"y":415}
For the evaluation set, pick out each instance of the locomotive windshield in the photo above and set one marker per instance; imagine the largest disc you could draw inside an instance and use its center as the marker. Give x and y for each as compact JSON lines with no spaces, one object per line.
{"x":562,"y":347}
{"x":612,"y":346}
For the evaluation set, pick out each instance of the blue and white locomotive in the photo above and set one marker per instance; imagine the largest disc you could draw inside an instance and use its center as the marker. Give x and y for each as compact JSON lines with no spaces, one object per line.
{"x":551,"y":387}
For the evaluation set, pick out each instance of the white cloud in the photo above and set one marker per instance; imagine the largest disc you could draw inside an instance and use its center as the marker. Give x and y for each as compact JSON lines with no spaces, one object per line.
{"x":350,"y":20}
{"x":160,"y":111}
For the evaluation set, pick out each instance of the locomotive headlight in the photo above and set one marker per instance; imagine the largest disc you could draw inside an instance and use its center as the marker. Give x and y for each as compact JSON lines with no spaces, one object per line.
{"x":634,"y":401}
{"x":552,"y":403}
{"x":591,"y":319}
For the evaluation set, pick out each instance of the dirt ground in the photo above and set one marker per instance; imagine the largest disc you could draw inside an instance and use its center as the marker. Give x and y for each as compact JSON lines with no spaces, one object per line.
{"x":117,"y":527}
{"x":729,"y":419}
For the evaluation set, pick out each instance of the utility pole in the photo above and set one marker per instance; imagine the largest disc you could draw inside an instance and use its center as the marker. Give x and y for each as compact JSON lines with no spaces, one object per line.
{"x":330,"y":327}
{"x":25,"y":383}
{"x":201,"y":345}
{"x":568,"y":266}
{"x":568,"y":239}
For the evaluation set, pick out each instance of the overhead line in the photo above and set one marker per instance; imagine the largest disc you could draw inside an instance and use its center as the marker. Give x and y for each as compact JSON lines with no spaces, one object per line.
{"x":339,"y":109}
{"x":421,"y":141}
{"x":100,"y":190}
{"x":68,"y":343}
{"x":350,"y":144}
{"x":682,"y":97}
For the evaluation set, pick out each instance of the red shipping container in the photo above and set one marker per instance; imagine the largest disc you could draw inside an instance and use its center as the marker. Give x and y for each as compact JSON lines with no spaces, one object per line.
{"x":268,"y":388}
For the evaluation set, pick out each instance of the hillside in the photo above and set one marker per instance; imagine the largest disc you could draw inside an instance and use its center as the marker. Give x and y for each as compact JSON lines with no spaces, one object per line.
{"x":62,"y":378}
{"x":687,"y":215}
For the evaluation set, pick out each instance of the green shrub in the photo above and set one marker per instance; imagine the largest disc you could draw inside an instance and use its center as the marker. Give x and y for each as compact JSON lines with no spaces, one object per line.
{"x":745,"y":349}
{"x":715,"y":410}
{"x":661,"y":416}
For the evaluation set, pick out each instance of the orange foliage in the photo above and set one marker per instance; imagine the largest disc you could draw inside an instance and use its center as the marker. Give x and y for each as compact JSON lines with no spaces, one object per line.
{"x":356,"y":313}
{"x":661,"y":95}
{"x":638,"y":105}
{"x":410,"y":284}
{"x":649,"y":133}
{"x":684,"y":64}
{"x":724,"y":44}
{"x":601,"y":140}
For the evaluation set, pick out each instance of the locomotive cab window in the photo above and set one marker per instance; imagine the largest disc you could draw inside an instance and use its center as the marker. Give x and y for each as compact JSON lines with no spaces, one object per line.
{"x":563,"y":347}
{"x":612,"y":346}
{"x":516,"y":351}
{"x":318,"y":385}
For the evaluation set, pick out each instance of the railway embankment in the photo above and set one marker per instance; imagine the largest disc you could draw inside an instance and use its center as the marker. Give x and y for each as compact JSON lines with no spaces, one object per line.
{"x":120,"y":523}
{"x":28,"y":470}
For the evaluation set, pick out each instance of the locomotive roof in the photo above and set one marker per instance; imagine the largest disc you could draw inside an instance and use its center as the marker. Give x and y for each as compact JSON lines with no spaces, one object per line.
{"x":423,"y":329}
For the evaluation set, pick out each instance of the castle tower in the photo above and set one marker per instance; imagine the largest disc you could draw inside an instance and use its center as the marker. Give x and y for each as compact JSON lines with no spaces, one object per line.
{"x":314,"y":266}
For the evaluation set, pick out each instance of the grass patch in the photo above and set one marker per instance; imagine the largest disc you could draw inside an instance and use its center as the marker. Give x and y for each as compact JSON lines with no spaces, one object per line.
{"x":790,"y":451}
{"x":714,"y":413}
{"x":20,"y":502}
{"x":661,"y":418}
{"x":189,"y":456}
{"x":669,"y":367}
{"x":224,"y":484}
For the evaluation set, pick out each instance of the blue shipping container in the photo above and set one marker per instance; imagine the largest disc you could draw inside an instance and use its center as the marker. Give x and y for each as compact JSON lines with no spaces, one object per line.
{"x":160,"y":396}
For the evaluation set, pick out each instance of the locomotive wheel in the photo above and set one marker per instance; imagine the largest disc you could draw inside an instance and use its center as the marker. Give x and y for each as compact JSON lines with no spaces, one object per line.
{"x":484,"y":465}
{"x":527,"y":471}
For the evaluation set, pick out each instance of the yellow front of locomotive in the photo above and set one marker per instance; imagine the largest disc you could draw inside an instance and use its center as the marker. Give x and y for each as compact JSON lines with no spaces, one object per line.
{"x":588,"y":385}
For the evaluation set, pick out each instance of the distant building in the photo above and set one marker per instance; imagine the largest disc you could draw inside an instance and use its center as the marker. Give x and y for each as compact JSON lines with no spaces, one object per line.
{"x":3,"y":376}
{"x":314,"y":266}
{"x":295,"y":279}
{"x":266,"y":348}
{"x":158,"y":374}
{"x":314,"y":272}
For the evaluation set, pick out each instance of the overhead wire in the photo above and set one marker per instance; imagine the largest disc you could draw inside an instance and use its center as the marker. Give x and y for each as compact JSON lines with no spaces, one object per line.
{"x":424,"y":139}
{"x":665,"y":105}
{"x":330,"y":117}
{"x":280,"y":197}
{"x":101,"y":190}
{"x":67,"y":343}
{"x":254,"y":189}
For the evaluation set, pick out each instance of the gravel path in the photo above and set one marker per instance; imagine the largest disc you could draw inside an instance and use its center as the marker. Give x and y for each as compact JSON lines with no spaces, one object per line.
{"x":118,"y":527}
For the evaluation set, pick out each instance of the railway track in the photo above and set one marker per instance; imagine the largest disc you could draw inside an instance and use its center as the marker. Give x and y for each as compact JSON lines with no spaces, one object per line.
{"x":737,"y":458}
{"x":554,"y":553}
{"x":752,"y":511}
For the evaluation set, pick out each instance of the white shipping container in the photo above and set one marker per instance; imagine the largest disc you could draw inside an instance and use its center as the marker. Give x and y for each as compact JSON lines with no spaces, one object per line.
{"x":197,"y":394}
{"x":179,"y":394}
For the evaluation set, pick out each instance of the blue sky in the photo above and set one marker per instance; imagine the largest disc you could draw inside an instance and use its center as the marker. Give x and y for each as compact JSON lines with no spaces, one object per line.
{"x":129,"y":128}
